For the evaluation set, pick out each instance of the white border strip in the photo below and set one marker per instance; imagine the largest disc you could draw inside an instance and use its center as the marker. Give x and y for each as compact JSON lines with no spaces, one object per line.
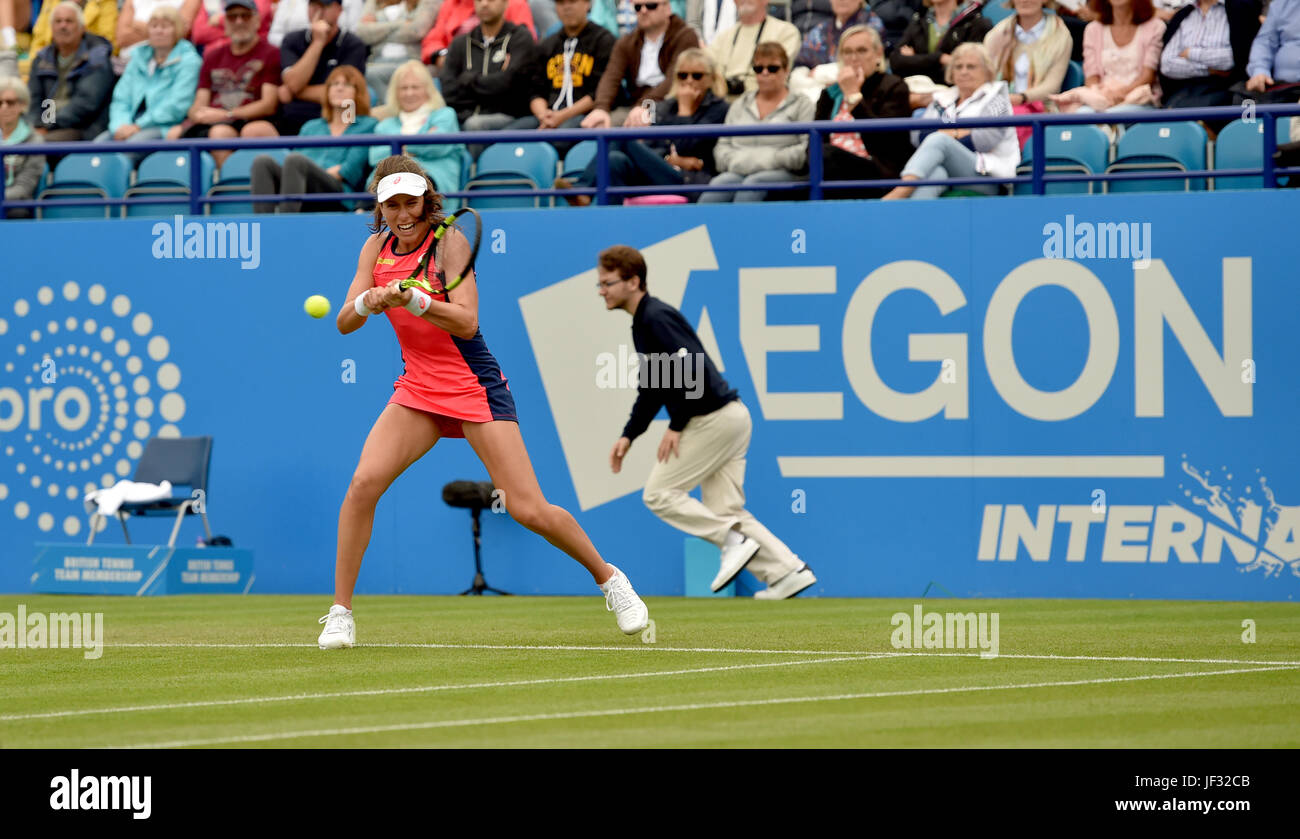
{"x":700,"y":706}
{"x":302,"y":697}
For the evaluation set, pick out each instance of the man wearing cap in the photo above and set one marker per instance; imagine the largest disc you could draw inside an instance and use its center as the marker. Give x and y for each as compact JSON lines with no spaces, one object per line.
{"x":238,"y":84}
{"x":308,"y":56}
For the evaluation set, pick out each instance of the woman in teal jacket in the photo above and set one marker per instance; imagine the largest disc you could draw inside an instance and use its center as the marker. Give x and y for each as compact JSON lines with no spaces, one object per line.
{"x":420,"y":109}
{"x":321,"y":168}
{"x":158,"y":85}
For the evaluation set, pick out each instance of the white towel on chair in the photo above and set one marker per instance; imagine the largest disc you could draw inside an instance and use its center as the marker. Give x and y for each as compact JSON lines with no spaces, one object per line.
{"x":107,"y":502}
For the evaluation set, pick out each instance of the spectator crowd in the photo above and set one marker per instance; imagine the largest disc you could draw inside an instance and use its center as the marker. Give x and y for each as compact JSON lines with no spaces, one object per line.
{"x":124,"y":71}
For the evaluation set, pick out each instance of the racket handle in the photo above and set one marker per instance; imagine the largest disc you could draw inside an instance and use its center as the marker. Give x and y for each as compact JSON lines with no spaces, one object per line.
{"x":359,"y":306}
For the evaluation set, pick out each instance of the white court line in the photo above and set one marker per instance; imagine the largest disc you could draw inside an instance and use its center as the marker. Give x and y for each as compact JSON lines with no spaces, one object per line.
{"x":420,"y":689}
{"x":700,"y":706}
{"x":742,"y":650}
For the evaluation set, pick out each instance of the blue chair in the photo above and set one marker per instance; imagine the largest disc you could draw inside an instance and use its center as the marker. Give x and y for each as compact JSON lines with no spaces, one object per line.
{"x":994,"y":11}
{"x":1084,"y":149}
{"x":578,"y":158}
{"x":513,"y":166}
{"x":235,"y":179}
{"x":1240,"y":145}
{"x":86,"y":176}
{"x":167,"y":173}
{"x":1159,"y":147}
{"x":1073,"y":76}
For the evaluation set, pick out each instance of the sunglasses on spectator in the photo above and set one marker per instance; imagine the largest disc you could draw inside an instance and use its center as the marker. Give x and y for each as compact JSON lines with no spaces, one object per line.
{"x":759,"y":69}
{"x":683,"y":76}
{"x":649,"y":7}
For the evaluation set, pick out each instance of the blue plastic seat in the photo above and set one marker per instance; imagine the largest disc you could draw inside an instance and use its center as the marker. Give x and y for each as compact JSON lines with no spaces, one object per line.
{"x":578,"y":158}
{"x":234,"y":178}
{"x":1073,"y":76}
{"x":513,"y":166}
{"x":86,"y":176}
{"x":167,"y":173}
{"x":994,"y":11}
{"x":1159,"y":147}
{"x":1240,"y":145}
{"x":1070,"y":148}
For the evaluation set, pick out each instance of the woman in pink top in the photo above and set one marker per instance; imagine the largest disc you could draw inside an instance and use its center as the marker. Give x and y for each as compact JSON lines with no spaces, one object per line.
{"x":1121,"y":54}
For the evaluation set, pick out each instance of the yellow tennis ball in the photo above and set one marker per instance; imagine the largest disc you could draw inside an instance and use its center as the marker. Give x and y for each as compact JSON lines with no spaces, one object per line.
{"x":316,"y":306}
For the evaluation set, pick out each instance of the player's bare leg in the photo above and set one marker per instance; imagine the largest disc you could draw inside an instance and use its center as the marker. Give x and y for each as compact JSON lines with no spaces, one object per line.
{"x":399,"y":437}
{"x":501,"y":448}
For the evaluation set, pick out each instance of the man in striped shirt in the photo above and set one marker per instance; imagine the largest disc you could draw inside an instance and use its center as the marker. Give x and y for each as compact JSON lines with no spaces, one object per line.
{"x":1206,"y":47}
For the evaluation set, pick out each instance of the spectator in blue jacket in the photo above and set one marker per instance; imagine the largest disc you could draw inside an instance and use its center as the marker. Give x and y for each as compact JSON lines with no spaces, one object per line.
{"x":71,"y":80}
{"x":420,"y":109}
{"x":322,"y":168}
{"x":158,"y":85}
{"x":1274,"y":65}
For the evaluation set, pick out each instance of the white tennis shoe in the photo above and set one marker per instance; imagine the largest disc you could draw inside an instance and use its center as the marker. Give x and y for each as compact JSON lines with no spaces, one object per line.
{"x":734,"y":559}
{"x":628,"y":608}
{"x":788,"y":586}
{"x":340,"y":630}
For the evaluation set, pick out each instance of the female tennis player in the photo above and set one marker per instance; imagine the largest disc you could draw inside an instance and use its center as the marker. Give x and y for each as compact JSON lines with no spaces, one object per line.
{"x":451,"y":387}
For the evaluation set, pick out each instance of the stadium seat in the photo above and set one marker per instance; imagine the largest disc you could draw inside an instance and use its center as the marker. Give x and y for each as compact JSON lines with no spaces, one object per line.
{"x":183,"y":461}
{"x":1159,"y":147}
{"x":576,"y":161}
{"x":167,"y":173}
{"x":234,"y":179}
{"x":994,"y":11}
{"x":1073,"y":76}
{"x":1240,"y":145}
{"x":86,"y":176}
{"x":1070,"y":148}
{"x":513,"y":166}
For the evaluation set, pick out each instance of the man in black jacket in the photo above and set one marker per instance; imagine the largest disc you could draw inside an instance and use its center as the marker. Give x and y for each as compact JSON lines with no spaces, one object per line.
{"x":482,"y":73}
{"x":565,"y":71}
{"x":72,"y":80}
{"x":707,"y":437}
{"x":962,"y":22}
{"x":1206,"y":47}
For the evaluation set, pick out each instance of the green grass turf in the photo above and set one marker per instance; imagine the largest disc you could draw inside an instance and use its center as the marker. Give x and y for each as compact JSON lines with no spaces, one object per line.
{"x":470,"y":707}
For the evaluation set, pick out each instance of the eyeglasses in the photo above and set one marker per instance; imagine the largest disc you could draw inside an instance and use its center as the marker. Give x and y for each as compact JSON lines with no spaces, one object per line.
{"x":649,"y":7}
{"x":857,"y":53}
{"x":683,"y":76}
{"x":610,"y":283}
{"x":759,"y":69}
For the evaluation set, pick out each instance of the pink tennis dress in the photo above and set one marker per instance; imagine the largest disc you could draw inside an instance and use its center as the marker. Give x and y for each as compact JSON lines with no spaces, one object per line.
{"x":454,"y":379}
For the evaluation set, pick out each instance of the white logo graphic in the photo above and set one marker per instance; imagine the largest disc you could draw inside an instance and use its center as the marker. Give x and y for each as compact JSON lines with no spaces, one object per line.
{"x":85,"y":384}
{"x":1257,"y":534}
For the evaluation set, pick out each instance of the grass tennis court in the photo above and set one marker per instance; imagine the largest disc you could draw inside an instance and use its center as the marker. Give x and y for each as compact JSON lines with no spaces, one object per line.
{"x":554,"y":671}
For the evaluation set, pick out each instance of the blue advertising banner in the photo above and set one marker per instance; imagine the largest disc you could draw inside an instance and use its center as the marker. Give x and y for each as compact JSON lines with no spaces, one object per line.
{"x":1064,"y":396}
{"x":141,"y":570}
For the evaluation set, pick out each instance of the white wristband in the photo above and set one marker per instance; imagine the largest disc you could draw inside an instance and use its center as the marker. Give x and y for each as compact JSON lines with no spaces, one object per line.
{"x":359,"y":306}
{"x":419,"y":303}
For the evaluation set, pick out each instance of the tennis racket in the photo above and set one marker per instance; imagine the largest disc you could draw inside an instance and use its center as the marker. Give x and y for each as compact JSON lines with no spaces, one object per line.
{"x":465,"y":220}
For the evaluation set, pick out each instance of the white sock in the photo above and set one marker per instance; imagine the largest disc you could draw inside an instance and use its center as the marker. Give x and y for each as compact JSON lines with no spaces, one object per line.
{"x":8,"y":39}
{"x":734,"y":537}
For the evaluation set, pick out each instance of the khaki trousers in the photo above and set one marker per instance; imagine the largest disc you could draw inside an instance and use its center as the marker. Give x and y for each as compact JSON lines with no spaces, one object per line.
{"x":713,"y":448}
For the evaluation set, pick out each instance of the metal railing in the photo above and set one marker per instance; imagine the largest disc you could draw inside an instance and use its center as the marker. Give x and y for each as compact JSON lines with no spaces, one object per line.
{"x":816,"y":185}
